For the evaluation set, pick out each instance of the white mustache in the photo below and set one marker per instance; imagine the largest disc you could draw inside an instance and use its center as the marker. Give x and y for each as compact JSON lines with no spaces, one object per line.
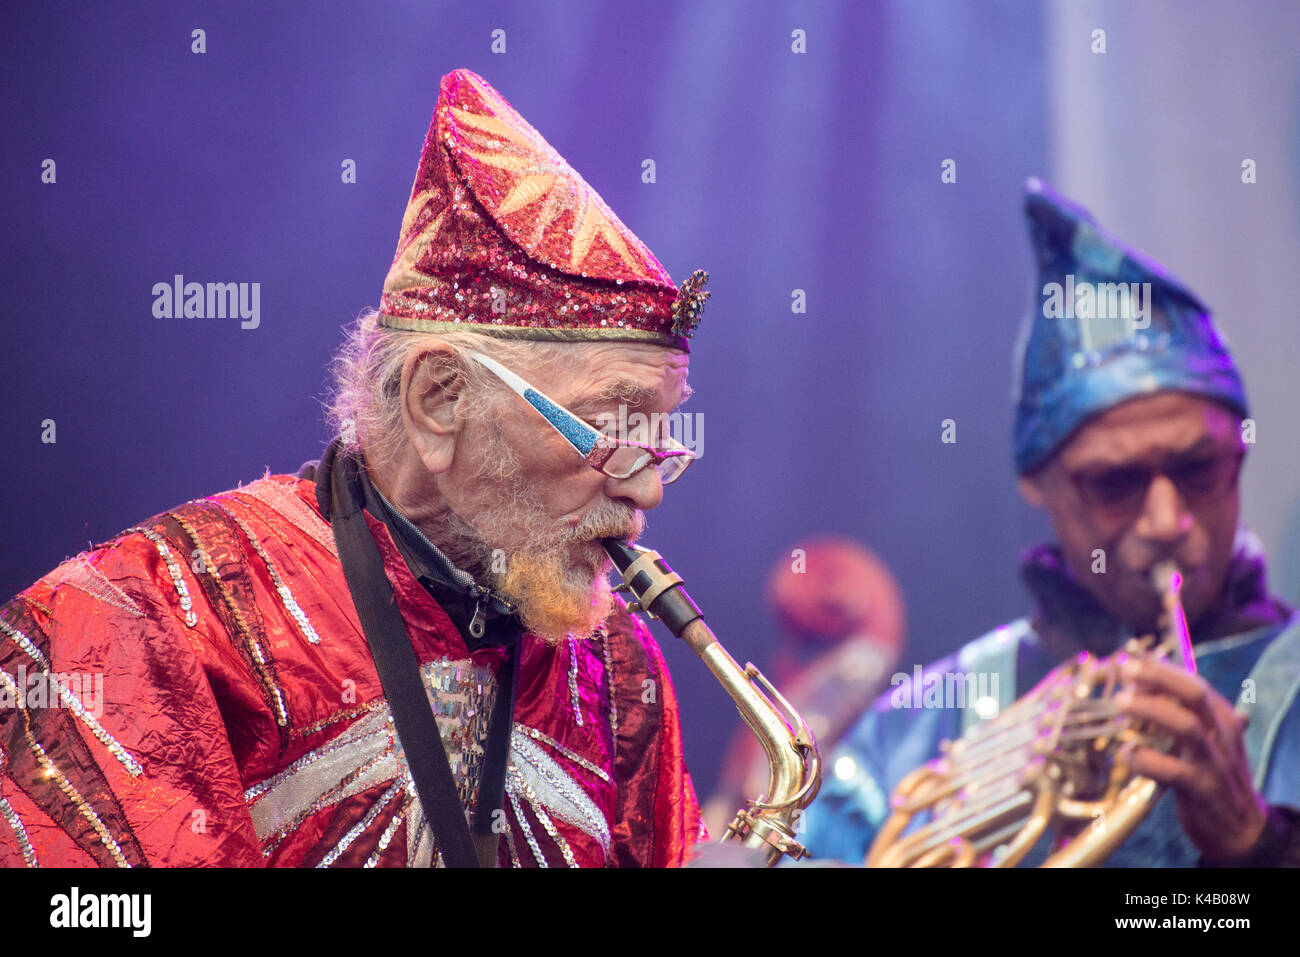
{"x":619,"y":522}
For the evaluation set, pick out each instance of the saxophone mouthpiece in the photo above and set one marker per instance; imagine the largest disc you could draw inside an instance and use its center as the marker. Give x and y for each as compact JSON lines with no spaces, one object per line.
{"x":656,"y":587}
{"x":620,"y":553}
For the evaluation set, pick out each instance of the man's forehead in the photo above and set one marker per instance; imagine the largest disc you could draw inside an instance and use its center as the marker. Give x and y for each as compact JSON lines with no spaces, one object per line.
{"x":630,"y":372}
{"x":1162,"y":423}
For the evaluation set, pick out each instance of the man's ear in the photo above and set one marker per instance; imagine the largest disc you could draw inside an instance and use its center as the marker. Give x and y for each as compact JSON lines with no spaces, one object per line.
{"x":432,"y":381}
{"x":1031,"y":489}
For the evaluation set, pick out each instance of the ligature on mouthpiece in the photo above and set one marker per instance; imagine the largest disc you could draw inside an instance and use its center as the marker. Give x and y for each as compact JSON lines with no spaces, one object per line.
{"x":656,"y":587}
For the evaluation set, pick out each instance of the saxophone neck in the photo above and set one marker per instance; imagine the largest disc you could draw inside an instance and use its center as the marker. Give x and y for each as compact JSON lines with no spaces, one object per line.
{"x":794,"y":762}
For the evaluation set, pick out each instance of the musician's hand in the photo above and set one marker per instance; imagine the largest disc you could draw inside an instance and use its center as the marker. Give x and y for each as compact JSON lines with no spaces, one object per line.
{"x":1217,"y":804}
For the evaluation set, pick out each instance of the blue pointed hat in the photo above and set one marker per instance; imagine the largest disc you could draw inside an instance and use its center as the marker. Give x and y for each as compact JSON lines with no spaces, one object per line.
{"x":1108,"y":325}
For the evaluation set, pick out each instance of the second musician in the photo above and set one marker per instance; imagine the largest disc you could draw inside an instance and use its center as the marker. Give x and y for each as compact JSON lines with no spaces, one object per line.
{"x":1130,"y":432}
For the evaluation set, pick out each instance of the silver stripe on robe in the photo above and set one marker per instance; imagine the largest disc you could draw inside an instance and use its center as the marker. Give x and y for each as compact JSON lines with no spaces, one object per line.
{"x":555,"y":788}
{"x":316,"y":780}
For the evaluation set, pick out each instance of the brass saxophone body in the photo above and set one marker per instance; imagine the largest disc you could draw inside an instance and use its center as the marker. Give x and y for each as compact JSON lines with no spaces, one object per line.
{"x":1056,"y":758}
{"x":768,"y":822}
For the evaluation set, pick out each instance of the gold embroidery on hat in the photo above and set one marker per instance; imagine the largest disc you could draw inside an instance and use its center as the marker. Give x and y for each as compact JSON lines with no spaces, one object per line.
{"x":403,"y":273}
{"x":538,"y":172}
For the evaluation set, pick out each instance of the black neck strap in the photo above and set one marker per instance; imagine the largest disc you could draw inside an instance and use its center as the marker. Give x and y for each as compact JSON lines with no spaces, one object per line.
{"x":399,"y":675}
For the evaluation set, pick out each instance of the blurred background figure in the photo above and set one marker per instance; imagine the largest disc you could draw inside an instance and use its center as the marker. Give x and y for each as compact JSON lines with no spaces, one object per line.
{"x":842,"y":624}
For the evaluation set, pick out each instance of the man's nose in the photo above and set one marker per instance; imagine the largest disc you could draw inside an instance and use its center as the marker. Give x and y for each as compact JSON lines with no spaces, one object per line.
{"x":1164,"y":517}
{"x":643,"y":491}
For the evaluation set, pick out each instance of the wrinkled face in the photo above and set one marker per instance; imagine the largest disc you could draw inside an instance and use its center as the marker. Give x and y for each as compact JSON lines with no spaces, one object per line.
{"x":1150,"y":479}
{"x":538,"y":510}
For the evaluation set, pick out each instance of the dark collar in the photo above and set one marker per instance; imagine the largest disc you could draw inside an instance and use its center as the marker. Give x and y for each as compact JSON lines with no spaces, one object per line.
{"x":1068,"y":615}
{"x":483,"y":617}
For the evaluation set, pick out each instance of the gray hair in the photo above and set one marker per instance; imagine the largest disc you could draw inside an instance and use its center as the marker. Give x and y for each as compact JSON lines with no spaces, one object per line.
{"x":364,"y":407}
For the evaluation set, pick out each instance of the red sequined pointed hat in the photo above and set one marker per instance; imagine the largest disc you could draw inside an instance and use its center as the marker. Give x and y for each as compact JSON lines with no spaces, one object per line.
{"x":501,"y":236}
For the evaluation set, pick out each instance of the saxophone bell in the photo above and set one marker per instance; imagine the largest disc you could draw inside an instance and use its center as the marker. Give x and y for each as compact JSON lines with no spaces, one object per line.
{"x":768,"y":822}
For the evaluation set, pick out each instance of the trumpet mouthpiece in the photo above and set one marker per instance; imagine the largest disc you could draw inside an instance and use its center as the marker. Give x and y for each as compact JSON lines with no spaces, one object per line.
{"x":1168,"y":580}
{"x":1165,"y":577}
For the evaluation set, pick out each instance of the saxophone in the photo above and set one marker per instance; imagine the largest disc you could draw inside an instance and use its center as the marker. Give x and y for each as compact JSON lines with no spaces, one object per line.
{"x":1058,"y":758}
{"x":768,"y":822}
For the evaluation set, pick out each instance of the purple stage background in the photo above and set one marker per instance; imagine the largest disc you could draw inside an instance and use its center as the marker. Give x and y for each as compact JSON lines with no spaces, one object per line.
{"x":776,"y":171}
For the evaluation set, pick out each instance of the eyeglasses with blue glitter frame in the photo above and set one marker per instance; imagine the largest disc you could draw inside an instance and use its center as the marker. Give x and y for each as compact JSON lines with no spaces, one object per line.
{"x":617,"y":458}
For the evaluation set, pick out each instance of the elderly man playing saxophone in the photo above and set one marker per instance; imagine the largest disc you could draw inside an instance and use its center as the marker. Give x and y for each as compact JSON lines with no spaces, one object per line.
{"x":1130,"y":431}
{"x":407,"y":654}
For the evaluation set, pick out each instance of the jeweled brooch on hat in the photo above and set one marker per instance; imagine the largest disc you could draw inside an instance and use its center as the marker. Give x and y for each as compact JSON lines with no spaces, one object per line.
{"x":691,"y":299}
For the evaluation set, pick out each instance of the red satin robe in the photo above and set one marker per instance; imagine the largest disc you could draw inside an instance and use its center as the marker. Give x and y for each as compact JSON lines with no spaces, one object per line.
{"x":198,"y":691}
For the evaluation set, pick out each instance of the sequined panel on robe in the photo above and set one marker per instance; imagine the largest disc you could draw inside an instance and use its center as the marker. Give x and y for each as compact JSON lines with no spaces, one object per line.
{"x":369,"y":752}
{"x":462,"y":694}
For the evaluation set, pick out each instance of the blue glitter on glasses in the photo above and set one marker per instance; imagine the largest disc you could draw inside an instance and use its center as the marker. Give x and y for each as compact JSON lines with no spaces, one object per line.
{"x":669,"y":461}
{"x":580,"y":435}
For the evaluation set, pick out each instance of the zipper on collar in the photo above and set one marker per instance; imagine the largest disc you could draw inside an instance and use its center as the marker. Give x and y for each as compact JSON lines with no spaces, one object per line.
{"x":477,"y":623}
{"x":485,"y":600}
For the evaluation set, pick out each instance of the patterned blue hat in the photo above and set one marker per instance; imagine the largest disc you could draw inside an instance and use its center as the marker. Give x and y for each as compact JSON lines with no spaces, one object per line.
{"x":1108,"y":325}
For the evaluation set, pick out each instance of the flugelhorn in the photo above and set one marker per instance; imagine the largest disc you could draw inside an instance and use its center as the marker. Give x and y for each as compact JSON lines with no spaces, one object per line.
{"x":1057,"y":758}
{"x":767,"y":822}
